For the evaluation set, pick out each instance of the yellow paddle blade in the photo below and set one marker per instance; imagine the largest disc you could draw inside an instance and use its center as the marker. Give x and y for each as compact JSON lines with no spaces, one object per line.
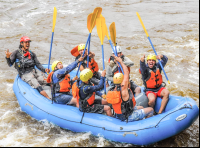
{"x":113,"y":33}
{"x":54,"y":18}
{"x":100,"y":23}
{"x":142,"y":24}
{"x":96,"y":13}
{"x":89,"y":21}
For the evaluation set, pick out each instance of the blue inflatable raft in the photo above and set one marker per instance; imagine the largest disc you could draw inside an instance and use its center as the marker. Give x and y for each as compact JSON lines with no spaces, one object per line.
{"x":178,"y":115}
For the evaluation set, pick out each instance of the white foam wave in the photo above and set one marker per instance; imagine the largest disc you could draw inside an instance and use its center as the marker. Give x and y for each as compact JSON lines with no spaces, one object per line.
{"x":68,"y":139}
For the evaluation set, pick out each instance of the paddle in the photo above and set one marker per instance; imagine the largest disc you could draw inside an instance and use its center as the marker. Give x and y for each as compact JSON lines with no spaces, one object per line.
{"x":100,"y":23}
{"x":152,"y":45}
{"x":54,"y":23}
{"x":113,"y":37}
{"x":91,"y":22}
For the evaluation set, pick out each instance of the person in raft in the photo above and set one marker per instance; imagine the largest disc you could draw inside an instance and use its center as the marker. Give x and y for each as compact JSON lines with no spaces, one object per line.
{"x":61,"y":82}
{"x":93,"y":66}
{"x":112,"y":69}
{"x":85,"y":92}
{"x":152,"y":79}
{"x":123,"y":100}
{"x":25,"y":61}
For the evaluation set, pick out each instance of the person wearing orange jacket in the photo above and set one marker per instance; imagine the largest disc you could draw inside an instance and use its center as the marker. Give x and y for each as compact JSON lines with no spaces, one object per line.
{"x":61,"y":83}
{"x":123,"y":100}
{"x":93,"y":66}
{"x":152,"y":79}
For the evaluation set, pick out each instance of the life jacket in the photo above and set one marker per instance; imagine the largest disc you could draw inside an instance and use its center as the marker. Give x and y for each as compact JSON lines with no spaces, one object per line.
{"x":115,"y":98}
{"x":93,"y":66}
{"x":75,"y":93}
{"x":26,"y":61}
{"x":63,"y":86}
{"x":154,"y":80}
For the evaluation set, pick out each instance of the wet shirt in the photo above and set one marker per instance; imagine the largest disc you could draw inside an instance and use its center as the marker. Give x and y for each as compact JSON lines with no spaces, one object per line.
{"x":17,"y":55}
{"x":89,"y":89}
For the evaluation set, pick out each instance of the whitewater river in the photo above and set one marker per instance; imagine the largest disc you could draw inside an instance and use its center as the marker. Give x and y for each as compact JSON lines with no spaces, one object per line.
{"x":173,"y":26}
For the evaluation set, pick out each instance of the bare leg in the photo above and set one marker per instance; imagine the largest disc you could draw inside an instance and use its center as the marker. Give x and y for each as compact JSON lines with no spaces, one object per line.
{"x":104,"y":102}
{"x":107,"y":109}
{"x":73,"y":102}
{"x":148,"y":111}
{"x":165,"y":95}
{"x":152,"y":99}
{"x":137,"y":91}
{"x":45,"y":94}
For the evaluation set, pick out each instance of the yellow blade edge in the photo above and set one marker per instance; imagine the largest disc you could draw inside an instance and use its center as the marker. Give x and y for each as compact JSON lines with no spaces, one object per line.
{"x":168,"y":82}
{"x":99,"y":23}
{"x":113,"y":33}
{"x":54,"y":18}
{"x":96,"y":13}
{"x":89,"y":21}
{"x":142,"y":24}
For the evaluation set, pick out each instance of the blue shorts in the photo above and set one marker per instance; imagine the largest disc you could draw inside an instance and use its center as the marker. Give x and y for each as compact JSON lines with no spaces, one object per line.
{"x":138,"y":114}
{"x":63,"y":98}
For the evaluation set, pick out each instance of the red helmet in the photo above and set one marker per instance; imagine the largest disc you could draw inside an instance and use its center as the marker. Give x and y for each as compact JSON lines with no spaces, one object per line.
{"x":25,"y":39}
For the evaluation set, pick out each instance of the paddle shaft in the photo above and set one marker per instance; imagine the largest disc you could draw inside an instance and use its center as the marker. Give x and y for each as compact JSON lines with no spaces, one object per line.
{"x":158,"y":59}
{"x":88,"y":52}
{"x":103,"y":68}
{"x":115,"y":52}
{"x":50,"y":49}
{"x":83,"y":53}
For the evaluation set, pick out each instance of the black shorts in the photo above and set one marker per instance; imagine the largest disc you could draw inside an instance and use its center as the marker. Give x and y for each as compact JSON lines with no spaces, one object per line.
{"x":97,"y":107}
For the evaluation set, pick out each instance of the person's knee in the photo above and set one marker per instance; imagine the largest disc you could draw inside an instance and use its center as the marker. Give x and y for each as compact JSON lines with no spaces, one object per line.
{"x":107,"y":108}
{"x":166,"y":93}
{"x":40,"y":89}
{"x":138,"y":90}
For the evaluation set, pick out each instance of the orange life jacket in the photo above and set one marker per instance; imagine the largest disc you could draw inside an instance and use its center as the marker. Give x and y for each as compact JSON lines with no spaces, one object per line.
{"x":75,"y":93}
{"x":93,"y":66}
{"x":154,"y":80}
{"x":114,"y":98}
{"x":63,"y":85}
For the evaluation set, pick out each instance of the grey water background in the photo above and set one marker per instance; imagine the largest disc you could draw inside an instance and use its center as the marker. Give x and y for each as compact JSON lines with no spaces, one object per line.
{"x":173,"y":26}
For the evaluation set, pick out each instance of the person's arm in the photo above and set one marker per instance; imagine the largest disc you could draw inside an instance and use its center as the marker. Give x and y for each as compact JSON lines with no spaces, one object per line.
{"x":37,"y":63}
{"x":10,"y":57}
{"x":163,"y":60}
{"x":128,"y":62}
{"x":109,"y":75}
{"x":99,"y":93}
{"x":91,"y":89}
{"x":143,"y":67}
{"x":124,"y":84}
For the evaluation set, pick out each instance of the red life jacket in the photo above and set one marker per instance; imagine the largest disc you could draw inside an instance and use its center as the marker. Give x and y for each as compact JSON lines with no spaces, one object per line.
{"x":154,"y":80}
{"x":75,"y":92}
{"x":63,"y":85}
{"x":114,"y":98}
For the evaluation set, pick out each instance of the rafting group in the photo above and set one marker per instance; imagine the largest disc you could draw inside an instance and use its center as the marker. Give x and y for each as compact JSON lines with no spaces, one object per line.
{"x":86,"y":91}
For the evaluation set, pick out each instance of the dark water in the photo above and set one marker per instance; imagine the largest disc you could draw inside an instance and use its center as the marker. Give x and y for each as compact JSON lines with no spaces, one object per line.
{"x":173,"y":26}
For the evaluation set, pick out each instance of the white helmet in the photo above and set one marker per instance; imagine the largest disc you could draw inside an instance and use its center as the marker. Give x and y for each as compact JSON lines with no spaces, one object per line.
{"x":118,"y":49}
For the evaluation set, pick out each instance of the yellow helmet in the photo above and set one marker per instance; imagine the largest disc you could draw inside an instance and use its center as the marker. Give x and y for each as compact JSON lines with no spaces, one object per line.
{"x":151,"y":56}
{"x":118,"y":78}
{"x":86,"y":75}
{"x":54,"y":64}
{"x":81,"y":46}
